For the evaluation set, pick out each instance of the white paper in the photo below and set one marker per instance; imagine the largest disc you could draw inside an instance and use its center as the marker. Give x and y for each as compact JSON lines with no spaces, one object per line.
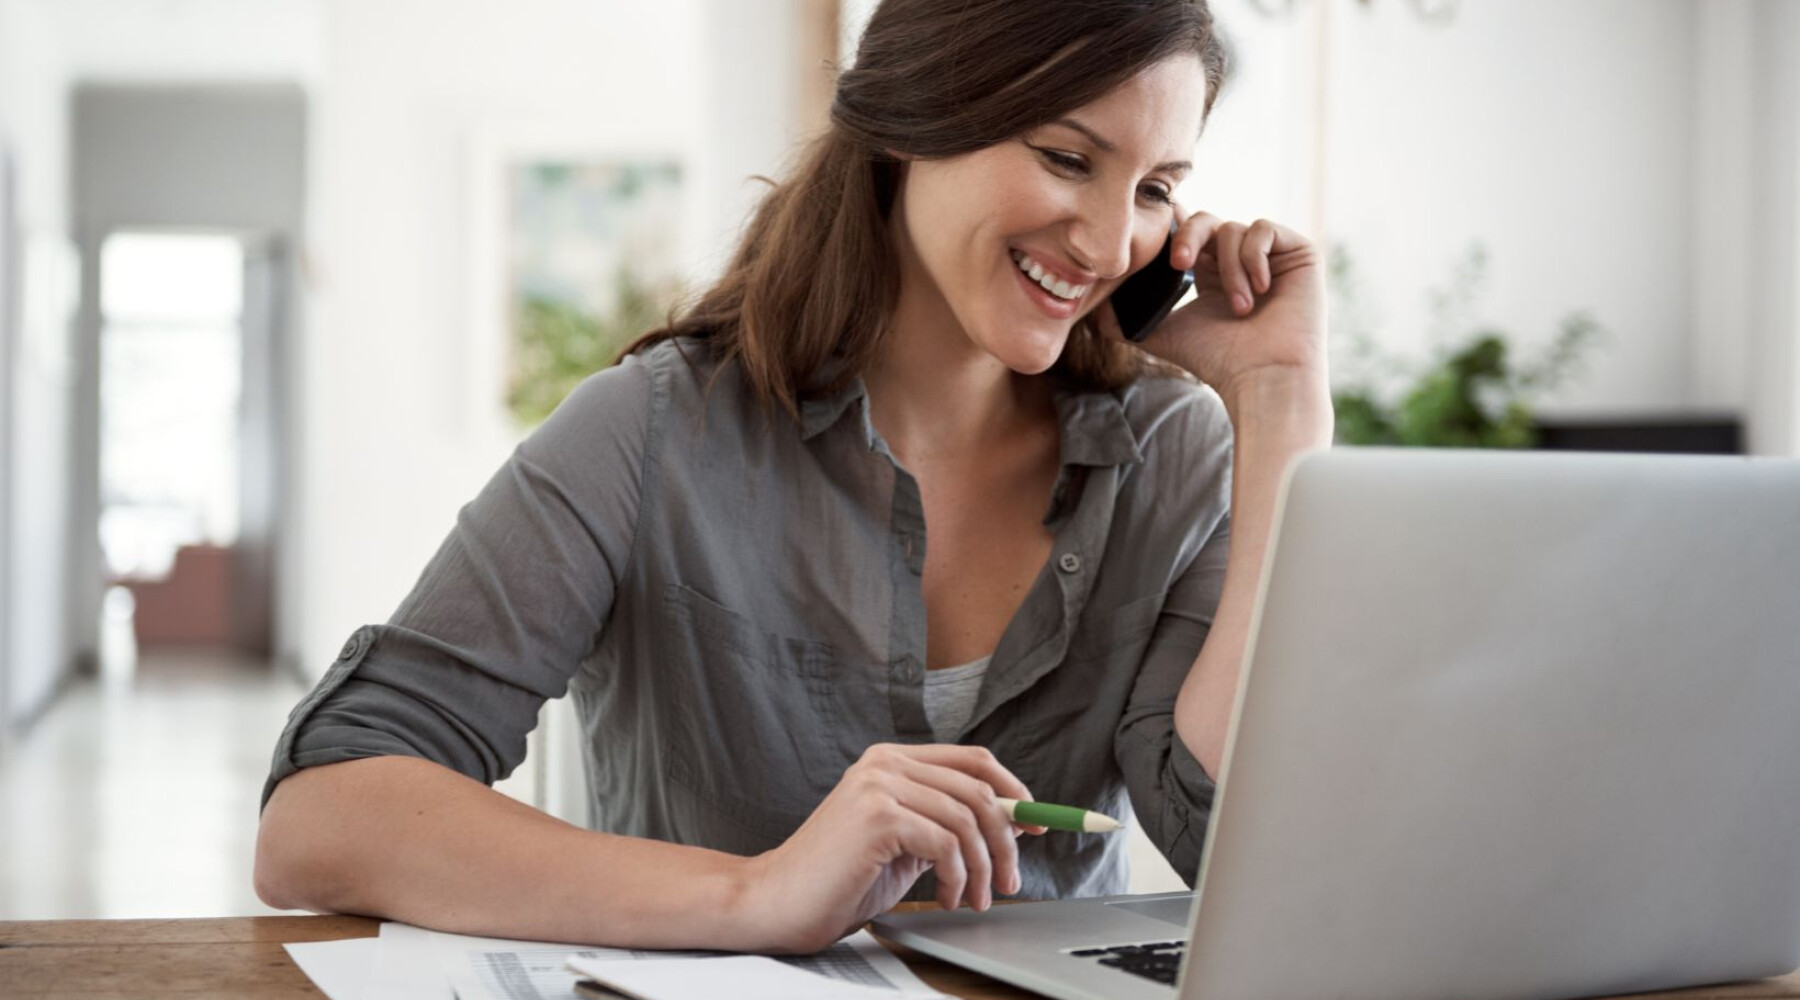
{"x":503,"y":969}
{"x":407,"y":966}
{"x":340,"y":969}
{"x":741,"y":977}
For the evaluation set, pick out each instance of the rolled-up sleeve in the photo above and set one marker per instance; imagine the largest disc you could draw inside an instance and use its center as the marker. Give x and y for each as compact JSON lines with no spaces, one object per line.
{"x":1189,"y":477}
{"x":1170,"y":792}
{"x":505,"y":612}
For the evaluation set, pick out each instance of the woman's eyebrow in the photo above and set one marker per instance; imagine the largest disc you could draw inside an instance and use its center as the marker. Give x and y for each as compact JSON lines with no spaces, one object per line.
{"x":1174,"y":166}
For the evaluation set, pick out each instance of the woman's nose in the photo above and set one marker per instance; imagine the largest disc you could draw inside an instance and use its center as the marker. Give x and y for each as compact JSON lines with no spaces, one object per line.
{"x":1101,"y":240}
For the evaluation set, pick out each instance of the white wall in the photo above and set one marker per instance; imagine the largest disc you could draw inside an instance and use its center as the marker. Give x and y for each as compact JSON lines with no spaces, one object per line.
{"x":34,"y":123}
{"x":1764,"y":259}
{"x":188,"y":41}
{"x":397,"y":437}
{"x":1725,"y":116}
{"x":1559,"y":134}
{"x":1633,"y":158}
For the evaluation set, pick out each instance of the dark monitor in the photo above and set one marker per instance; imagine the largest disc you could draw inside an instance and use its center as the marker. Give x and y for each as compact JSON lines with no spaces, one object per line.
{"x":1681,"y":435}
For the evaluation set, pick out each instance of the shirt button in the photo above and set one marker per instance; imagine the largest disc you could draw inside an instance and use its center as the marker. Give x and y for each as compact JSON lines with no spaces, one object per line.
{"x":1069,"y":563}
{"x":351,"y":648}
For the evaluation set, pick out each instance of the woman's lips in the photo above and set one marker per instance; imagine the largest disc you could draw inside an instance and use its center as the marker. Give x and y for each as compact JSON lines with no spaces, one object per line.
{"x":1047,"y":304}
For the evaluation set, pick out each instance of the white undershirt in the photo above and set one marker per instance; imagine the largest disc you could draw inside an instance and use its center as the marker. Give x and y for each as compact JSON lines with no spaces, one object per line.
{"x":950,"y":697}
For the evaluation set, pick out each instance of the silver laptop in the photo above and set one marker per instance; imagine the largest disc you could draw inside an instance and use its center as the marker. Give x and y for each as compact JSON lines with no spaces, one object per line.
{"x":1512,"y":726}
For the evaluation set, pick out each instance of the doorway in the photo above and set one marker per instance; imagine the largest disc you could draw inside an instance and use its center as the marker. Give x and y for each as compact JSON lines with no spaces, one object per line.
{"x":187,"y":443}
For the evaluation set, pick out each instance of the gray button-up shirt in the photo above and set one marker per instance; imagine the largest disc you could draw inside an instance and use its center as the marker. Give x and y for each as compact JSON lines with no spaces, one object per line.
{"x":734,"y":603}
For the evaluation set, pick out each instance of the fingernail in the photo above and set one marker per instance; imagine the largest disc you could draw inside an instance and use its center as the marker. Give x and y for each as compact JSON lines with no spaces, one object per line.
{"x":1242,"y":302}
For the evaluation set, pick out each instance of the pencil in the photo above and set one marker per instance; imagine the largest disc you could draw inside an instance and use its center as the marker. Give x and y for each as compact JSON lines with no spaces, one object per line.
{"x":1058,"y":817}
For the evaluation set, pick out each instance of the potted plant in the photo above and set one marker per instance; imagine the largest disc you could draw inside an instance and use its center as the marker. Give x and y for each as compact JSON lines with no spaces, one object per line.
{"x":1471,"y":393}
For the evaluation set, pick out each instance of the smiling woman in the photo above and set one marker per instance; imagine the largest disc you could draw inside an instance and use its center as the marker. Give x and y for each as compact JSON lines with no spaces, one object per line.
{"x":720,"y":548}
{"x":962,"y":87}
{"x":1084,"y":209}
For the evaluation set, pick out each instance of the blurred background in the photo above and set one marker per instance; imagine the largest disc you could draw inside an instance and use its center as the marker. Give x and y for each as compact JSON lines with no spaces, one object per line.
{"x":282,"y":282}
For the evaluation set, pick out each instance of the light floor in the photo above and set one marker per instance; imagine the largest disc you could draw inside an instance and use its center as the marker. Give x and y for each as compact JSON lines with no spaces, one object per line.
{"x":137,"y":797}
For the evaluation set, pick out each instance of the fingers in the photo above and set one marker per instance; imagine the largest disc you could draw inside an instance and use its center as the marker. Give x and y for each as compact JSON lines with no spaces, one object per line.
{"x":981,"y":763}
{"x":1243,"y":257}
{"x":976,"y":800}
{"x":973,"y":838}
{"x":1195,"y":232}
{"x":957,"y":788}
{"x":1259,"y":241}
{"x":923,"y":837}
{"x":977,"y":761}
{"x":1247,"y":258}
{"x":1227,"y":244}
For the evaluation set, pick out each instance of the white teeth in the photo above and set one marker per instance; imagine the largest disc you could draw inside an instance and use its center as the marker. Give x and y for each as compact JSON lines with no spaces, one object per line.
{"x":1058,"y":288}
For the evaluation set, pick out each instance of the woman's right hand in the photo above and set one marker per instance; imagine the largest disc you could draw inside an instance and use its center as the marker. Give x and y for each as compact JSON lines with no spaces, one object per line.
{"x":896,"y":812}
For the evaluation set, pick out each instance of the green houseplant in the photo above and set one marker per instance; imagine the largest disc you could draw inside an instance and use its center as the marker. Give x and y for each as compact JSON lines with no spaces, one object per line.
{"x":559,"y":344}
{"x":1472,"y":393}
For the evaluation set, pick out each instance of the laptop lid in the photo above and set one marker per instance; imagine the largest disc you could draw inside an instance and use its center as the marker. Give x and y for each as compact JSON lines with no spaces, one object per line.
{"x":1513,"y":725}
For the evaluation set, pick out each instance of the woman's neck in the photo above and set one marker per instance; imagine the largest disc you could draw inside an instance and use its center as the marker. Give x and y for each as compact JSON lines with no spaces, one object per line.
{"x":934,"y":394}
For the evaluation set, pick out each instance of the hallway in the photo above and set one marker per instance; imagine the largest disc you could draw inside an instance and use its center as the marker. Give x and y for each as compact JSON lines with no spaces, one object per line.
{"x":138,"y":798}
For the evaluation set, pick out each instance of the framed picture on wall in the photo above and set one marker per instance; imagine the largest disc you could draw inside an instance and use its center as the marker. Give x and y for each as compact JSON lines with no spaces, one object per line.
{"x":579,"y":247}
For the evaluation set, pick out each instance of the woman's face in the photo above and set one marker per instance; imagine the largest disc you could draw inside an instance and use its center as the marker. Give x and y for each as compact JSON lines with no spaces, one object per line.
{"x":1058,"y":196}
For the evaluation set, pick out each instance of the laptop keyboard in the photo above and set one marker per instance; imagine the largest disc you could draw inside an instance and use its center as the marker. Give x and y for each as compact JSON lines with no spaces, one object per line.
{"x":1160,"y":961}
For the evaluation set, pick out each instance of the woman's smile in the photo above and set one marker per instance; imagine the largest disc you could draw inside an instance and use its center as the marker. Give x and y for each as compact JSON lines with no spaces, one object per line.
{"x":1047,"y":302}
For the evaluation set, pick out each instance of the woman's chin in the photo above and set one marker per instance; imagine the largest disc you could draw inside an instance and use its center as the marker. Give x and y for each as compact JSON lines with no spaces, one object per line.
{"x":1030,"y":353}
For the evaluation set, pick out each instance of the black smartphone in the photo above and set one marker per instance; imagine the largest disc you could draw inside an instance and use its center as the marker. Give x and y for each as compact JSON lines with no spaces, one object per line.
{"x":1143,"y":299}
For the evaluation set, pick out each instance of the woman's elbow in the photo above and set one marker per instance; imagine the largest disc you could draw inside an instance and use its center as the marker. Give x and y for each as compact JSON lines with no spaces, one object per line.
{"x":270,"y":877}
{"x":290,"y":872}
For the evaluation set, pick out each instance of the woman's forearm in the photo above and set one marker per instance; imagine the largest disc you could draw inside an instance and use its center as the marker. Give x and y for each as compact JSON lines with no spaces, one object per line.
{"x":1275,"y":418}
{"x":410,"y":840}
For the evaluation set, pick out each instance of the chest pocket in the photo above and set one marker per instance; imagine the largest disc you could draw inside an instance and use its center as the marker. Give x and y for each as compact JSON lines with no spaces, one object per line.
{"x":754,"y":728}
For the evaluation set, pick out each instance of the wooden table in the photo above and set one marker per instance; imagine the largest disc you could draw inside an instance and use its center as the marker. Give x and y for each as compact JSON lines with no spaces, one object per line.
{"x":241,"y":958}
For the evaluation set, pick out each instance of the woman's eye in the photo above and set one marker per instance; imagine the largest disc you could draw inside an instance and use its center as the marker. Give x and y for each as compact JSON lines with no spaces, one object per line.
{"x":1063,"y":161}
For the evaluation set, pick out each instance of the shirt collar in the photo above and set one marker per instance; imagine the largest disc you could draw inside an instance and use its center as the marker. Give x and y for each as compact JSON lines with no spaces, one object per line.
{"x":823,"y":411}
{"x":1094,"y":428}
{"x":1093,"y":424}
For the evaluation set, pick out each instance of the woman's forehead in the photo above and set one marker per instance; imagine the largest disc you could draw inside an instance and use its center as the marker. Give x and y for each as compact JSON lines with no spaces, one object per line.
{"x":1155,"y":114}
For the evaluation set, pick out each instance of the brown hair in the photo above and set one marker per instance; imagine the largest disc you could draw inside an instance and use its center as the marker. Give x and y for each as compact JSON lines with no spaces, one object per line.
{"x":816,"y":274}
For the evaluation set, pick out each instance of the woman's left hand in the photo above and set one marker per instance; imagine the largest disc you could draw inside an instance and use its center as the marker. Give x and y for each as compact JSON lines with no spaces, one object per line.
{"x":1259,"y":306}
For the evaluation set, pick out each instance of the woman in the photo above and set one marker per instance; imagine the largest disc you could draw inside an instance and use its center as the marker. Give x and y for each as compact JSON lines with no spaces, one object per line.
{"x":797,"y":710}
